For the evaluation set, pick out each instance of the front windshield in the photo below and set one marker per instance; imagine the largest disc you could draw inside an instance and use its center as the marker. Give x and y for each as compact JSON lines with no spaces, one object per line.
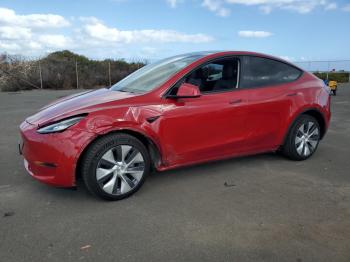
{"x":155,"y":74}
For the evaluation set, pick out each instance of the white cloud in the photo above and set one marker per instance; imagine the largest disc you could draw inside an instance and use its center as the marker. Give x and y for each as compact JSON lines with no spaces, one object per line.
{"x":300,"y":6}
{"x":217,"y":7}
{"x":221,"y":7}
{"x":149,"y":50}
{"x":346,"y":8}
{"x":254,"y":34}
{"x":27,"y":35}
{"x":266,"y":9}
{"x":96,"y":30}
{"x":9,"y":17}
{"x":331,"y":6}
{"x":14,"y":32}
{"x":55,"y":41}
{"x":288,"y":58}
{"x":173,"y":3}
{"x":9,"y":46}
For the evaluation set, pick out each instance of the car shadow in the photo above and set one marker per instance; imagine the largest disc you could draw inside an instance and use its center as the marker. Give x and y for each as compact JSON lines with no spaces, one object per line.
{"x":213,"y":168}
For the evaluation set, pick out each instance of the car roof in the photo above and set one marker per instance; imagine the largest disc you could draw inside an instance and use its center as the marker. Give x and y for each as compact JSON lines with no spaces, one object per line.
{"x":214,"y":54}
{"x":223,"y":52}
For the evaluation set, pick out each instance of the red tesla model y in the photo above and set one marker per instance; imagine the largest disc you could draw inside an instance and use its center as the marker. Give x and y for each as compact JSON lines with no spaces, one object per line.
{"x":179,"y":111}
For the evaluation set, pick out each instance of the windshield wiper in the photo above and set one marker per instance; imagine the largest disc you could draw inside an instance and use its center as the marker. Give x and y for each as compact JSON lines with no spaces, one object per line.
{"x":126,"y":91}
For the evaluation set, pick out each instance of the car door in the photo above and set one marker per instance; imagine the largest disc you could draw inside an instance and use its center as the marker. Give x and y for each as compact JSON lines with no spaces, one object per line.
{"x":269,"y":91}
{"x":204,"y":128}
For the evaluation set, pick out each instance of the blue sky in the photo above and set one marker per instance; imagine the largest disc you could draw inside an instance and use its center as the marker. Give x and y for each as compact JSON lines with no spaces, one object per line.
{"x":133,"y":29}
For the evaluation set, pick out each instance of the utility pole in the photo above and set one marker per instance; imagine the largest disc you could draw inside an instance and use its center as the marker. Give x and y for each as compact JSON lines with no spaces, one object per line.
{"x":41,"y":76}
{"x":109,"y":73}
{"x":328,"y":70}
{"x":76,"y":72}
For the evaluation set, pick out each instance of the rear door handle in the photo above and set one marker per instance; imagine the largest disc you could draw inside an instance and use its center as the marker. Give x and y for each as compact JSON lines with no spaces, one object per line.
{"x":292,"y":94}
{"x":237,"y":101}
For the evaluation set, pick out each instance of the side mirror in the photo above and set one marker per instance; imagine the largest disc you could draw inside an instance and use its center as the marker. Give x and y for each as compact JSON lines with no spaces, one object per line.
{"x":187,"y":90}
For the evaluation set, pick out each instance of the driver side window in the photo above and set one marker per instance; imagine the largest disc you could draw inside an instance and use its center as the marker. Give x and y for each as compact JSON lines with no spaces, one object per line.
{"x":220,"y":75}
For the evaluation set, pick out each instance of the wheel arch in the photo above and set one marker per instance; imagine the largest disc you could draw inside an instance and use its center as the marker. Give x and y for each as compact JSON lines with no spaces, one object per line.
{"x":319,"y":117}
{"x":151,"y":146}
{"x":314,"y":112}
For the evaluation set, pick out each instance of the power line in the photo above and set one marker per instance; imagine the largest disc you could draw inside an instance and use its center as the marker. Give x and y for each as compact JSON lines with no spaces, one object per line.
{"x":322,"y":61}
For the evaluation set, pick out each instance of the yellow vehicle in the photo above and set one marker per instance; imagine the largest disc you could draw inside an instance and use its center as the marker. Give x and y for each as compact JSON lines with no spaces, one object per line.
{"x":333,"y":86}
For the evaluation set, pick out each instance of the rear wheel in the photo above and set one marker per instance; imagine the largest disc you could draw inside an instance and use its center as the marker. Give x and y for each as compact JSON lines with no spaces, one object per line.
{"x":335,"y":92}
{"x":303,"y":138}
{"x":115,"y":166}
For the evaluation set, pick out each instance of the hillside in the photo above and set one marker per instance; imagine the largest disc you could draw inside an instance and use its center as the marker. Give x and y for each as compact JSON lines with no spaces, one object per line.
{"x":61,"y":70}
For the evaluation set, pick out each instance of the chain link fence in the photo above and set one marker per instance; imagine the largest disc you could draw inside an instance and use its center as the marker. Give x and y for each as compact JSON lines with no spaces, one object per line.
{"x":66,"y":70}
{"x":338,"y":70}
{"x":62,"y":71}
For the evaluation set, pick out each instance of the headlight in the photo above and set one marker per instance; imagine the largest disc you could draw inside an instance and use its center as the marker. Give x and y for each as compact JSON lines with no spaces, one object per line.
{"x":60,"y":126}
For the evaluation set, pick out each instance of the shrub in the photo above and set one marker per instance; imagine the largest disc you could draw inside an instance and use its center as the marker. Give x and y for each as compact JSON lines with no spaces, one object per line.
{"x":58,"y":71}
{"x":340,"y":77}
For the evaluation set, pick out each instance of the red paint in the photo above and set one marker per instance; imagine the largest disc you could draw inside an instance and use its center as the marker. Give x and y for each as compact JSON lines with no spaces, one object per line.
{"x":187,"y":90}
{"x":189,"y":130}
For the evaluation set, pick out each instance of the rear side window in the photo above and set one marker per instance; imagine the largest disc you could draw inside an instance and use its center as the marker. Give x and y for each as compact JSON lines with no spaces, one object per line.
{"x":259,"y":72}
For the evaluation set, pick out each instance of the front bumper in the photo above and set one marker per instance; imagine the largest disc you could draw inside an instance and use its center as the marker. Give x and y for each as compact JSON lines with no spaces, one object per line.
{"x":52,"y":158}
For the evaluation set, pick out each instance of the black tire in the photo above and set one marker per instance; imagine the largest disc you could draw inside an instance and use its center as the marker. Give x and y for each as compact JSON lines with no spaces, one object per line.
{"x":96,"y":151}
{"x":289,"y":148}
{"x":335,"y":92}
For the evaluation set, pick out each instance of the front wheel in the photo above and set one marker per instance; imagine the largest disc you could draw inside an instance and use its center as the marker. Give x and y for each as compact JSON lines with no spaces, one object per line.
{"x":335,"y":92}
{"x":115,"y":166}
{"x":303,"y":138}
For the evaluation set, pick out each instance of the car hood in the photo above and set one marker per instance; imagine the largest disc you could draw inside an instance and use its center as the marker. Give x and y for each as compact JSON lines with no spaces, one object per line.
{"x":76,"y":104}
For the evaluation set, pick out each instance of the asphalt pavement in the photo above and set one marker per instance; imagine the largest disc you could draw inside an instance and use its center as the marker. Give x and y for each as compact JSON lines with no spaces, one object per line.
{"x":257,"y":208}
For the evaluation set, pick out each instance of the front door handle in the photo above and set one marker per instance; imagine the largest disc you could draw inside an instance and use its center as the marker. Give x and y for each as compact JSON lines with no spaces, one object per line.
{"x":292,"y":94}
{"x":237,"y":101}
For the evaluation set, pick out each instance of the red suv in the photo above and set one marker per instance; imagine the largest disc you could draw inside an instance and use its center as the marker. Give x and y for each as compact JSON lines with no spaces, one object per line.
{"x":179,"y":111}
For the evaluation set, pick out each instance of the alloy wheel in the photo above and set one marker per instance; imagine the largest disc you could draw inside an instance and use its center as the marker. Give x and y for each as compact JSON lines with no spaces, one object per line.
{"x":120,"y":169}
{"x":307,"y":138}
